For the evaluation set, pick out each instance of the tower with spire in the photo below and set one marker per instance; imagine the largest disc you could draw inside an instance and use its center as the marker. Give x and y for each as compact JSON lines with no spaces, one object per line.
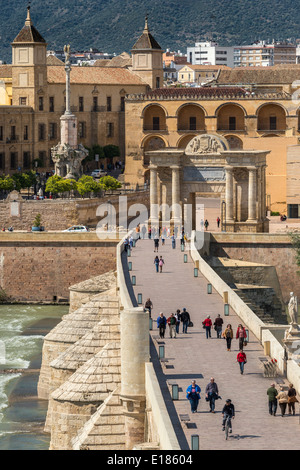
{"x":147,"y":59}
{"x":29,"y":67}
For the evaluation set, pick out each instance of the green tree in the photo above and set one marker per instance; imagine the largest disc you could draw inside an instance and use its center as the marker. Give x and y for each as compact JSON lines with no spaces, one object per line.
{"x":7,"y":184}
{"x":87,"y":185}
{"x":53,"y":184}
{"x":111,"y":151}
{"x":108,"y":182}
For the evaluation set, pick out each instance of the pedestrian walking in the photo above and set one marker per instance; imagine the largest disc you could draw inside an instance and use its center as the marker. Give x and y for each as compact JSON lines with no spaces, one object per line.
{"x":156,"y":262}
{"x":292,"y":399}
{"x":218,"y":222}
{"x":242,"y":360}
{"x":241,"y":335}
{"x":156,"y":245}
{"x":272,"y":394}
{"x":218,"y":324}
{"x":131,"y":242}
{"x":177,"y":316}
{"x":148,"y":306}
{"x":172,"y":325}
{"x":163,"y":240}
{"x":161,"y":324}
{"x":283,"y":399}
{"x":185,"y":319}
{"x":206,"y":224}
{"x":150,"y":233}
{"x":193,"y":395}
{"x":144,"y":231}
{"x":212,"y":394}
{"x":126,"y":244}
{"x":207,"y":324}
{"x":161,"y":263}
{"x":228,"y":335}
{"x":173,"y":239}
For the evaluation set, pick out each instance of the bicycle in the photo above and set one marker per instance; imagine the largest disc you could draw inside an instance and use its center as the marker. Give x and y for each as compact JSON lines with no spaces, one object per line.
{"x":227,"y":426}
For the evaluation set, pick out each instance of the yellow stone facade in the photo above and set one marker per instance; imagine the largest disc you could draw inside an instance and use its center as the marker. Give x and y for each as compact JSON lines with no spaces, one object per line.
{"x":32,"y":100}
{"x":263,"y":121}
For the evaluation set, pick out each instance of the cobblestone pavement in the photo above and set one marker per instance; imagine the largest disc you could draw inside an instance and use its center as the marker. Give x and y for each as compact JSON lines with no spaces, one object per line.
{"x":191,"y":356}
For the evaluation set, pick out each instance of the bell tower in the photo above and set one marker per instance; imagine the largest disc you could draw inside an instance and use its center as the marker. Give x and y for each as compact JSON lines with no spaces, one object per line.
{"x":29,"y":67}
{"x":147,"y":59}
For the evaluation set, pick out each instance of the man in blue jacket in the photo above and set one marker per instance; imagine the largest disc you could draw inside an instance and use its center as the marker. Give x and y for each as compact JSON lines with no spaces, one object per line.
{"x":193,"y":394}
{"x":161,"y":324}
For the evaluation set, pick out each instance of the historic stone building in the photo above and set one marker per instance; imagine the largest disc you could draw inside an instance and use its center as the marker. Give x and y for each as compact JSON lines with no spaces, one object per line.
{"x":35,"y":86}
{"x":264,"y":117}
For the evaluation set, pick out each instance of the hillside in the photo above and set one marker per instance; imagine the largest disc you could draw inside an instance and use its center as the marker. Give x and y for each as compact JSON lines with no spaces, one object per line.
{"x":114,"y":25}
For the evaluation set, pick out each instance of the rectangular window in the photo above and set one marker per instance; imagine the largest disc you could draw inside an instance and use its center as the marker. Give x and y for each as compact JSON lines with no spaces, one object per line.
{"x":95,"y":103}
{"x":81,"y":130}
{"x":122,"y":103}
{"x":293,"y":211}
{"x":52,"y":130}
{"x":25,"y":132}
{"x":81,"y":104}
{"x":13,"y":160}
{"x":1,"y":133}
{"x":232,"y":123}
{"x":157,"y":82}
{"x":193,"y":123}
{"x":23,"y":101}
{"x":13,"y":136}
{"x":110,"y":129}
{"x":156,"y":123}
{"x":2,"y":160}
{"x":26,"y":160}
{"x":108,"y":103}
{"x":42,"y":158}
{"x":42,"y":132}
{"x":273,"y":123}
{"x":41,"y":103}
{"x":51,"y":104}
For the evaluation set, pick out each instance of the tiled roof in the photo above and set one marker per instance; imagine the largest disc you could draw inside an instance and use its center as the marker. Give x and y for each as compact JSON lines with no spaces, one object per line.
{"x":5,"y":71}
{"x":53,"y":60}
{"x":260,"y":75}
{"x":94,"y":76}
{"x":196,"y":92}
{"x":29,"y":34}
{"x":101,"y":62}
{"x":207,"y":67}
{"x":146,"y":40}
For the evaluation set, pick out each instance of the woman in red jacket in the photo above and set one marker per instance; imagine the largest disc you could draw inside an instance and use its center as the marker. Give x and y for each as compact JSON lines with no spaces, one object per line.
{"x":242,"y":360}
{"x":207,"y":324}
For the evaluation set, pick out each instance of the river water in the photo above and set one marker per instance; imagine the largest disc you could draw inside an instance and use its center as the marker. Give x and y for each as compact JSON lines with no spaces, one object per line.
{"x":22,"y":414}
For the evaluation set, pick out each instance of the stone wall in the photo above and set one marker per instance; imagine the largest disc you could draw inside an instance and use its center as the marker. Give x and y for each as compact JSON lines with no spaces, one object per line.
{"x":59,"y":214}
{"x":271,"y":249}
{"x":41,"y":267}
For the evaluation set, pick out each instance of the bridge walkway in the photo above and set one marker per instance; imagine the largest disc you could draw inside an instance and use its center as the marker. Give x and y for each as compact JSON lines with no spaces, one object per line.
{"x":192,"y":356}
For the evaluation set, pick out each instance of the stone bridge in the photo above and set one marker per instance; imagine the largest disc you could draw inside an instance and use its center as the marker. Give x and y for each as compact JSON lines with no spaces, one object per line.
{"x":108,"y":389}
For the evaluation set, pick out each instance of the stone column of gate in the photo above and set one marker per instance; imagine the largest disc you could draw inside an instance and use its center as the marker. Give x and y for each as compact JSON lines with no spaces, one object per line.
{"x":229,"y":193}
{"x":264,"y":196}
{"x":252,"y":194}
{"x":259,"y":193}
{"x":176,"y":207}
{"x":135,"y":353}
{"x":153,"y":196}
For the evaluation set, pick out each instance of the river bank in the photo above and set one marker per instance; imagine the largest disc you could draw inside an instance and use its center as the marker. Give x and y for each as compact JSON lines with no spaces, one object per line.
{"x":22,"y":414}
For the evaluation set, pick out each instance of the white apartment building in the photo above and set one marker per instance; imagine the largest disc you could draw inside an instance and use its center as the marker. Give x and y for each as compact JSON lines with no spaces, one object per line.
{"x":210,"y":53}
{"x":264,"y":55}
